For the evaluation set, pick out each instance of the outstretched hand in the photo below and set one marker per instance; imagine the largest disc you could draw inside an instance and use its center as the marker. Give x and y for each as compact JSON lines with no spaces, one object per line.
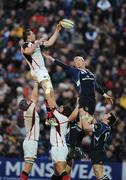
{"x":108,"y":99}
{"x":47,"y":56}
{"x":59,"y":27}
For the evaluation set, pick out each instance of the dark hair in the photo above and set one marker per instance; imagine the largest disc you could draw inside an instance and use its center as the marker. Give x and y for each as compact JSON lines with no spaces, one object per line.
{"x":23,"y":105}
{"x":67,"y":110}
{"x":112,"y":119}
{"x":26,"y":33}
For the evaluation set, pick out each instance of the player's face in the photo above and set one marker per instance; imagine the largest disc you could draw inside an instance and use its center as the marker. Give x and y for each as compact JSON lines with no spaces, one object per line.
{"x":79,"y":62}
{"x":31,"y":37}
{"x":106,"y":116}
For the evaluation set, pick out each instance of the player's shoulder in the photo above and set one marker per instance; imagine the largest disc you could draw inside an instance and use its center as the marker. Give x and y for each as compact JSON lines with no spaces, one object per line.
{"x":102,"y":126}
{"x":31,"y":107}
{"x":26,"y":44}
{"x":57,"y":113}
{"x":97,"y":125}
{"x":60,"y":117}
{"x":89,"y":71}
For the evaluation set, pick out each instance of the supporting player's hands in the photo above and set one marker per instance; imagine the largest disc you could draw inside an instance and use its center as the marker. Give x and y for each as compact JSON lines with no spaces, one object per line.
{"x":34,"y":78}
{"x":108,"y":98}
{"x":38,"y":42}
{"x":47,"y":56}
{"x":77,"y":102}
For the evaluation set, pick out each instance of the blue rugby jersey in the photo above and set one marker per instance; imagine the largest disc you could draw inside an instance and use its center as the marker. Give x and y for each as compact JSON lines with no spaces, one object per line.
{"x":99,"y":136}
{"x":84,"y":79}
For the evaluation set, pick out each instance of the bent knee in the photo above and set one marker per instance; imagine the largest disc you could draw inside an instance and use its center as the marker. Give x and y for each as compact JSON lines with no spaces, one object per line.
{"x":60,"y":167}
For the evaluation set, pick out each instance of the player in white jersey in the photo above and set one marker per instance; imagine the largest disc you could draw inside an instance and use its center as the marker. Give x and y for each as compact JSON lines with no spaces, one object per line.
{"x":31,"y":121}
{"x":59,"y":149}
{"x":32,"y":51}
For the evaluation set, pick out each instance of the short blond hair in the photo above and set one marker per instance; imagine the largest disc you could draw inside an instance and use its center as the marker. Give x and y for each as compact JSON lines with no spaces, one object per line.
{"x":79,"y":57}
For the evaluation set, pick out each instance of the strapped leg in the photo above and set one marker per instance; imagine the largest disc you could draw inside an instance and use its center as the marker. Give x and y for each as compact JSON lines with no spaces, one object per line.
{"x":84,"y":116}
{"x":27,"y":168}
{"x":49,"y":93}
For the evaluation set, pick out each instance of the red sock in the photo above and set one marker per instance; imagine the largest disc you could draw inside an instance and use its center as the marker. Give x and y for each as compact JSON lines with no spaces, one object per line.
{"x":66,"y":177}
{"x":49,"y":115}
{"x":24,"y":176}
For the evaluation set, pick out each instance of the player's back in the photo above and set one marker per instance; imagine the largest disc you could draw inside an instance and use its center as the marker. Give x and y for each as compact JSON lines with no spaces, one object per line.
{"x":58,"y":133}
{"x":31,"y":121}
{"x":100,"y":135}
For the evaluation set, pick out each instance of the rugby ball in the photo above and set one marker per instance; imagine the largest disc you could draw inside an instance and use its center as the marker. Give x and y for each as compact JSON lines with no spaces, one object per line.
{"x":66,"y":23}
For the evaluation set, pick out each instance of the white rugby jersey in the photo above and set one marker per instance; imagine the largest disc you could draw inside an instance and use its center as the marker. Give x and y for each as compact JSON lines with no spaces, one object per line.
{"x":36,"y":60}
{"x":58,"y":133}
{"x":31,"y":121}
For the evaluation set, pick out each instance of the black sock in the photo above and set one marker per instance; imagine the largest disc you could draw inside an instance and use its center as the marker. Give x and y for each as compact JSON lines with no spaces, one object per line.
{"x":64,"y":175}
{"x":25,"y":173}
{"x":54,"y":177}
{"x":104,"y":178}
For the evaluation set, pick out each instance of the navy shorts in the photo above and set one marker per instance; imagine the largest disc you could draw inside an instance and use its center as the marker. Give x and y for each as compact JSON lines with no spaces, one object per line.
{"x":98,"y":156}
{"x":88,"y":104}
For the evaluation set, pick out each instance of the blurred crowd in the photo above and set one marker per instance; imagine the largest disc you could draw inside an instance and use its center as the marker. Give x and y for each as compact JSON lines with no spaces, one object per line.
{"x":99,"y":35}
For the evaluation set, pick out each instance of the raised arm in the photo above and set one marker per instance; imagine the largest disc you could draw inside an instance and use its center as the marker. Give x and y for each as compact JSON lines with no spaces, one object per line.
{"x":98,"y":88}
{"x":70,"y":69}
{"x":34,"y":95}
{"x":53,"y":38}
{"x":74,"y":114}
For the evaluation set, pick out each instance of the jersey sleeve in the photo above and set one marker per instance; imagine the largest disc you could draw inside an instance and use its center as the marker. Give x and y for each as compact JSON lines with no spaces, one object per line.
{"x":71,"y":70}
{"x":60,"y":117}
{"x":42,"y":46}
{"x":65,"y":66}
{"x":98,"y":88}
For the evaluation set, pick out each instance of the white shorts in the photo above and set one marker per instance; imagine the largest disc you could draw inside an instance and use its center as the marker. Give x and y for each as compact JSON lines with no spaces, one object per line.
{"x":30,"y":148}
{"x":40,"y":74}
{"x":59,"y":153}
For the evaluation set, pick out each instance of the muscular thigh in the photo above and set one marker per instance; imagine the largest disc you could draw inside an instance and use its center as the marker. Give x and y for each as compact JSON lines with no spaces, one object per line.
{"x":30,"y":149}
{"x":47,"y":86}
{"x":59,"y":153}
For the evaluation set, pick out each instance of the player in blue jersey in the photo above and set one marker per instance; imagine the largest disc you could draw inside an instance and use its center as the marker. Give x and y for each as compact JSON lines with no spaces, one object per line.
{"x":100,"y":132}
{"x":86,"y":86}
{"x":85,"y":82}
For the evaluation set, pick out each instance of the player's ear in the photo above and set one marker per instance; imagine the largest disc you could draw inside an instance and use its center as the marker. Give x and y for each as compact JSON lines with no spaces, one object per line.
{"x":62,"y":108}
